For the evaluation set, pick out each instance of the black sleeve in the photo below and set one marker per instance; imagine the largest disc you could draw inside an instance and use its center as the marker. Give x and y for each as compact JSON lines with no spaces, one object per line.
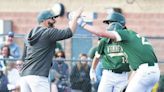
{"x":57,"y":34}
{"x":24,"y":52}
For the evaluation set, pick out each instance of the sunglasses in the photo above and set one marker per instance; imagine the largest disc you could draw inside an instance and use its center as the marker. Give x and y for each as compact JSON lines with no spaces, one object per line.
{"x":53,"y":18}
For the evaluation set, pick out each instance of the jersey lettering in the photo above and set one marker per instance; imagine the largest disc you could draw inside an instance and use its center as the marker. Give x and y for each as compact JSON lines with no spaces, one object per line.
{"x":116,"y":51}
{"x":143,"y":40}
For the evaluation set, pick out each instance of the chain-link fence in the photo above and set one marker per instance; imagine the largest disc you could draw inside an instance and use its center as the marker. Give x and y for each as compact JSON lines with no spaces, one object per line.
{"x":78,"y":43}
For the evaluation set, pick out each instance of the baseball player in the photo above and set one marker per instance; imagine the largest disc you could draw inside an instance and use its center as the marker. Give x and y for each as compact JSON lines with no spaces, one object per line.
{"x":114,"y":60}
{"x":141,"y":57}
{"x":40,"y":47}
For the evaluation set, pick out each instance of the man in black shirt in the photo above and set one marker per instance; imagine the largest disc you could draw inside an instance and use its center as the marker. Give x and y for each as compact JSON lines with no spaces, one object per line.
{"x":39,"y":49}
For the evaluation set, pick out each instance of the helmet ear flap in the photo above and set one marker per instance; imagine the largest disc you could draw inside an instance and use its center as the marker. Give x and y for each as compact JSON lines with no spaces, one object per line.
{"x":114,"y":26}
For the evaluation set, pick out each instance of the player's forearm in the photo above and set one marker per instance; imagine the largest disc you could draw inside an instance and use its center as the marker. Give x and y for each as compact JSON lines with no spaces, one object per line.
{"x":95,"y":62}
{"x":100,"y":31}
{"x":95,"y":30}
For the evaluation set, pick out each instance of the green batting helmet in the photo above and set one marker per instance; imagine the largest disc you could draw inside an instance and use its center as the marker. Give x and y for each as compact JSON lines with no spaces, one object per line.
{"x":115,"y":17}
{"x":44,"y":15}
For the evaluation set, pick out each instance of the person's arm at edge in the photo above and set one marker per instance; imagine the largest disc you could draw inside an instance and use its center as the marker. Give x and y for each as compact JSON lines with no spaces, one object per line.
{"x":100,"y":31}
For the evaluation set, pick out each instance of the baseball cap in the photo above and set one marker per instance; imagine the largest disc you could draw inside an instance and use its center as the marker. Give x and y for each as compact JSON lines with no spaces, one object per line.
{"x":11,"y":34}
{"x":44,"y":15}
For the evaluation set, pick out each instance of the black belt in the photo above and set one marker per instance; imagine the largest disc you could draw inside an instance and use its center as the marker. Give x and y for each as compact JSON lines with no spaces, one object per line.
{"x":117,"y":71}
{"x":150,"y":64}
{"x":114,"y":71}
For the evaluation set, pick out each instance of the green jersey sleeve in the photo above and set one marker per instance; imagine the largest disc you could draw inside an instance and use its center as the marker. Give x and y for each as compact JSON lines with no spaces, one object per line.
{"x":92,"y":52}
{"x":101,"y":46}
{"x":126,"y":35}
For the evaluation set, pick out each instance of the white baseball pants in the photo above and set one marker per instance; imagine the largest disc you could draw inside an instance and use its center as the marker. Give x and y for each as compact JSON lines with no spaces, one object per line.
{"x":33,"y":83}
{"x":144,"y":79}
{"x":112,"y":82}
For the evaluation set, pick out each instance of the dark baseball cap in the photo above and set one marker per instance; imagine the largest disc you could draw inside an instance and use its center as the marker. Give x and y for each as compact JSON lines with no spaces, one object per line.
{"x":11,"y":34}
{"x":44,"y":15}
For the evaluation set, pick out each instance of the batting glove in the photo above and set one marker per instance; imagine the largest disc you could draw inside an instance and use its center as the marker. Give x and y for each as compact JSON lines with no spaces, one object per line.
{"x":70,"y":15}
{"x":81,"y":22}
{"x":93,"y":75}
